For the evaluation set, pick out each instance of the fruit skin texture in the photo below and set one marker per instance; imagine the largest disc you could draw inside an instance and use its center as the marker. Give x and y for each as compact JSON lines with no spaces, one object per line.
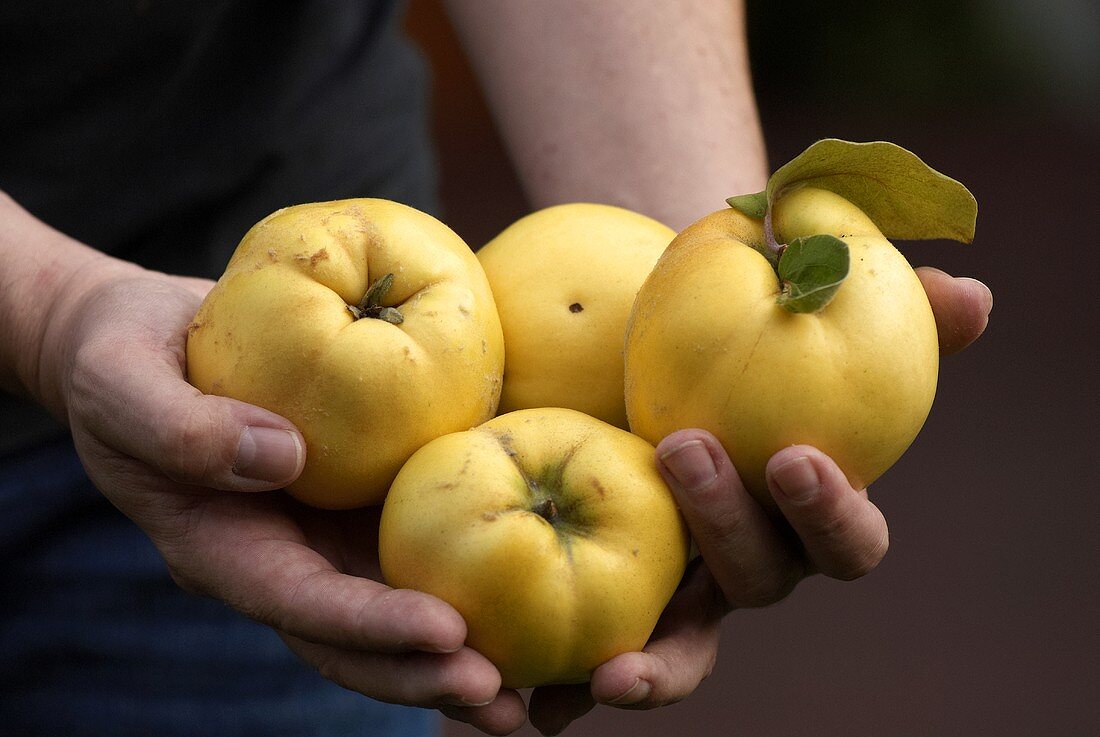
{"x":564,"y":279}
{"x":709,"y":347}
{"x":546,"y":602}
{"x":276,"y":332}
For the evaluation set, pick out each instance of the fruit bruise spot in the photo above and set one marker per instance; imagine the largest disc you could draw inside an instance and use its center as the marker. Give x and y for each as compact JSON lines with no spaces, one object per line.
{"x":576,"y":307}
{"x":317,"y":257}
{"x":505,"y":441}
{"x":452,"y":484}
{"x":598,"y":487}
{"x":465,"y":465}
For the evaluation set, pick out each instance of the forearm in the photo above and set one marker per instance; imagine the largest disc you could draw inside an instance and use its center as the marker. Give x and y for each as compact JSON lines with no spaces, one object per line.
{"x":645,"y":105}
{"x":42,"y":275}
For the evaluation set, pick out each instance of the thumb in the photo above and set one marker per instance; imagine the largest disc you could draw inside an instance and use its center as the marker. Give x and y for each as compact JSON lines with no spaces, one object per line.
{"x":141,"y":406}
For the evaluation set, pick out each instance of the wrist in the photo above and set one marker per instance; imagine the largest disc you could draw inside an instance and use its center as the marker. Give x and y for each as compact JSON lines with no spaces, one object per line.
{"x":44,"y":276}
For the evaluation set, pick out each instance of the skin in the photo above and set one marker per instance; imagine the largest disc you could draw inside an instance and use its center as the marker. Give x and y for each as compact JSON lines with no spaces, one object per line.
{"x":648,"y":106}
{"x":65,"y":309}
{"x":304,"y":572}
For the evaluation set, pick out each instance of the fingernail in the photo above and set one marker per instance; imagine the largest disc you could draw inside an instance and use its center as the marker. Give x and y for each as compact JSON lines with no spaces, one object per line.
{"x":797,"y":479}
{"x":431,"y":647}
{"x":691,"y":465}
{"x":634,"y":694}
{"x":268,"y":454}
{"x":455,"y":700}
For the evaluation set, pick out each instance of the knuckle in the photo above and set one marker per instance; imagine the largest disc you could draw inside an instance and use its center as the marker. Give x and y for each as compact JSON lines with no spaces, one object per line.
{"x":273,"y":603}
{"x":184,"y":574}
{"x":188,"y":445}
{"x":173,"y":535}
{"x":766,"y":588}
{"x":677,"y":679}
{"x":861,"y":561}
{"x":713,"y":600}
{"x":422,"y":684}
{"x":725,"y":526}
{"x":330,"y":666}
{"x":709,"y":663}
{"x":265,"y":611}
{"x":833,"y":527}
{"x":186,"y":582}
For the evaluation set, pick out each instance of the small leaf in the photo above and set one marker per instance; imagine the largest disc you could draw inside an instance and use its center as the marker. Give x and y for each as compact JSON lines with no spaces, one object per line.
{"x":812,"y":270}
{"x":753,"y":205}
{"x":902,"y":195}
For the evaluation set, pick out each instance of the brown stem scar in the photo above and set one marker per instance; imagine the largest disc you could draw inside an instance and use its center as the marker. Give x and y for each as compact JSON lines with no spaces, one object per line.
{"x":371,"y":305}
{"x":546,"y":509}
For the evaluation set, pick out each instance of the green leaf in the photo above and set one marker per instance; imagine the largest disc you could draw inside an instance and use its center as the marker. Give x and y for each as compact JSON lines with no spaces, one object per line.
{"x":811,"y":271}
{"x":902,"y":195}
{"x":753,"y":205}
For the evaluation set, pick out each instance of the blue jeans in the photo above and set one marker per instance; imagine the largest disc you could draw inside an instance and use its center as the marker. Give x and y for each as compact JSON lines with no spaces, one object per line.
{"x":95,"y":639}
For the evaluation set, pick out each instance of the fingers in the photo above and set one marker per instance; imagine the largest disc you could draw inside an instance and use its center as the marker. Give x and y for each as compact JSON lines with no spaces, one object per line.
{"x":293,"y":588}
{"x":681,"y":653}
{"x":844,"y":535}
{"x":461,"y":678}
{"x":553,"y":708}
{"x":748,"y":557}
{"x":503,"y":715}
{"x":961,"y":306}
{"x":348,"y":611}
{"x":394,"y":645}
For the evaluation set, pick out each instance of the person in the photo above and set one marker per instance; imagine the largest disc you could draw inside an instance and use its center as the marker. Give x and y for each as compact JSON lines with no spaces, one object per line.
{"x":154,"y":580}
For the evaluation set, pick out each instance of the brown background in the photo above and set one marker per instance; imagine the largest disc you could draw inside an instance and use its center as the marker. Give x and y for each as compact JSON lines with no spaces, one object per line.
{"x":982,"y":620}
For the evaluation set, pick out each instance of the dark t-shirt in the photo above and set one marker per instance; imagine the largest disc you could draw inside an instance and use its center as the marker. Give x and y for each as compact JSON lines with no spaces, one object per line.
{"x":161,"y":131}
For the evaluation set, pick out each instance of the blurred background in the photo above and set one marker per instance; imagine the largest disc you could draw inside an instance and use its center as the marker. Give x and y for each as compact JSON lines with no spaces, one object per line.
{"x":983,"y":618}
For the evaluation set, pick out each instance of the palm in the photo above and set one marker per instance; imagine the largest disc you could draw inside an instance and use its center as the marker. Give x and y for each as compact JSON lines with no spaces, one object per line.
{"x":164,"y":454}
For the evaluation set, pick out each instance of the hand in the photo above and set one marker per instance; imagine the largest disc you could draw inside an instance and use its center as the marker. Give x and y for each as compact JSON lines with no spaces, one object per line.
{"x":190,"y":470}
{"x":747,"y":558}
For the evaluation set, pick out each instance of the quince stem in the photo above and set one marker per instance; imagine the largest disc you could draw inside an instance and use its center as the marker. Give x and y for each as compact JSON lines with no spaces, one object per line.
{"x":371,"y":304}
{"x":775,"y":249}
